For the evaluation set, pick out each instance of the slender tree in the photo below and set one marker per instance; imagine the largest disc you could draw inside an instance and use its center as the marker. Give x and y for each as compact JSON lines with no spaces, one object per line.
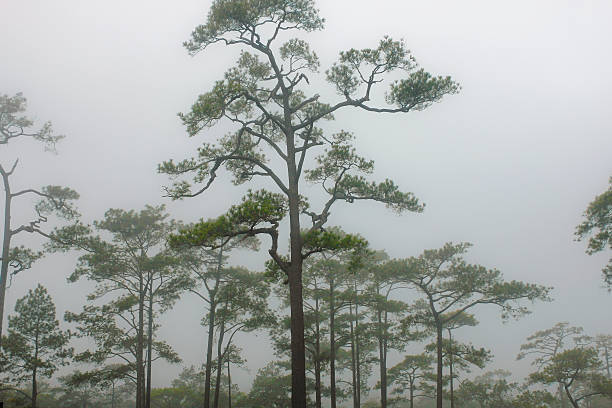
{"x":35,"y":345}
{"x":266,"y":101}
{"x":206,"y":265}
{"x":361,"y":332}
{"x":544,"y":345}
{"x":571,"y":366}
{"x":465,"y":319}
{"x":232,"y":355}
{"x":603,"y":343}
{"x":332,"y":267}
{"x":113,"y":377}
{"x":244,"y":309}
{"x":459,"y":357}
{"x":450,"y":287}
{"x":407,"y":374}
{"x":53,"y":199}
{"x":386,"y":315}
{"x":140,"y":276}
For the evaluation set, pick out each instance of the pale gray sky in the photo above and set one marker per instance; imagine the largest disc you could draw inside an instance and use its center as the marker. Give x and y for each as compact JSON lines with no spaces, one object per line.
{"x":509,"y":164}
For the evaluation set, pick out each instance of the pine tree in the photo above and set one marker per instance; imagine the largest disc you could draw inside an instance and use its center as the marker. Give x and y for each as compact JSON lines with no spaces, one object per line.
{"x":35,"y":346}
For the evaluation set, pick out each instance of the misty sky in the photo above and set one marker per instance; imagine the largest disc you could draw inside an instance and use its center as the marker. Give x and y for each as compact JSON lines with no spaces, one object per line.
{"x":509,"y":164}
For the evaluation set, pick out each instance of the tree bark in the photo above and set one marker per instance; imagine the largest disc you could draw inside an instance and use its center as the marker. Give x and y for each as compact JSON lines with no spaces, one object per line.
{"x":211,"y":332}
{"x":357,"y":351}
{"x":353,"y":359}
{"x":6,"y":245}
{"x":229,"y":385}
{"x":382,"y":355}
{"x":569,"y":396}
{"x":317,"y":356}
{"x":34,"y":388}
{"x":381,"y":364}
{"x":332,"y":344}
{"x":219,"y":365}
{"x":562,"y":398}
{"x":209,"y":350}
{"x":298,"y":359}
{"x":296,"y":300}
{"x":140,"y":348}
{"x":149,"y":347}
{"x":439,"y":389}
{"x":450,"y":356}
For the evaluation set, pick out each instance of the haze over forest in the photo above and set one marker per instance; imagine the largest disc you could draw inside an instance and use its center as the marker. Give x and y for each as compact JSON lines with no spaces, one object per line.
{"x":509,"y":163}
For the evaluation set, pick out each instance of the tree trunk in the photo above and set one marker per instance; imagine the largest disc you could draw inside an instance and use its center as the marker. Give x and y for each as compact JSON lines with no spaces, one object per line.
{"x":439,"y":389}
{"x":332,"y":345}
{"x":139,"y":350}
{"x":298,"y":355}
{"x":6,"y":245}
{"x":562,"y":399}
{"x":607,"y":362}
{"x":296,"y":300}
{"x":569,"y":396}
{"x":113,"y":395}
{"x":149,"y":347}
{"x":34,"y":388}
{"x":382,"y":363}
{"x":317,"y":355}
{"x":353,"y":359}
{"x":357,"y":351}
{"x":209,"y":351}
{"x":298,"y":359}
{"x":229,"y":385}
{"x":211,"y":332}
{"x":219,"y":364}
{"x":450,"y":356}
{"x":411,"y":393}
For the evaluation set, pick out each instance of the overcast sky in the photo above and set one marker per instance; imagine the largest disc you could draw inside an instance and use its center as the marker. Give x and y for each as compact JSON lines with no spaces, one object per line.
{"x":508,"y":164}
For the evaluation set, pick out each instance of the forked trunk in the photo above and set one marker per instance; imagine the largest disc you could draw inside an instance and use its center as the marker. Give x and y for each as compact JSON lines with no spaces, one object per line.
{"x":562,"y":398}
{"x":211,"y":332}
{"x":219,"y":364}
{"x":569,"y":396}
{"x":6,"y":245}
{"x":209,"y":351}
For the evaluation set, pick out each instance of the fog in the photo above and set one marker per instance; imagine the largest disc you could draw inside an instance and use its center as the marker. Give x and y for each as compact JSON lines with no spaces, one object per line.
{"x":508,"y":164}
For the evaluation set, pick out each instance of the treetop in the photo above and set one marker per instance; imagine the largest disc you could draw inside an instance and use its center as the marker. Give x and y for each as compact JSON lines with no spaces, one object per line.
{"x":237,"y":21}
{"x":14,"y":125}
